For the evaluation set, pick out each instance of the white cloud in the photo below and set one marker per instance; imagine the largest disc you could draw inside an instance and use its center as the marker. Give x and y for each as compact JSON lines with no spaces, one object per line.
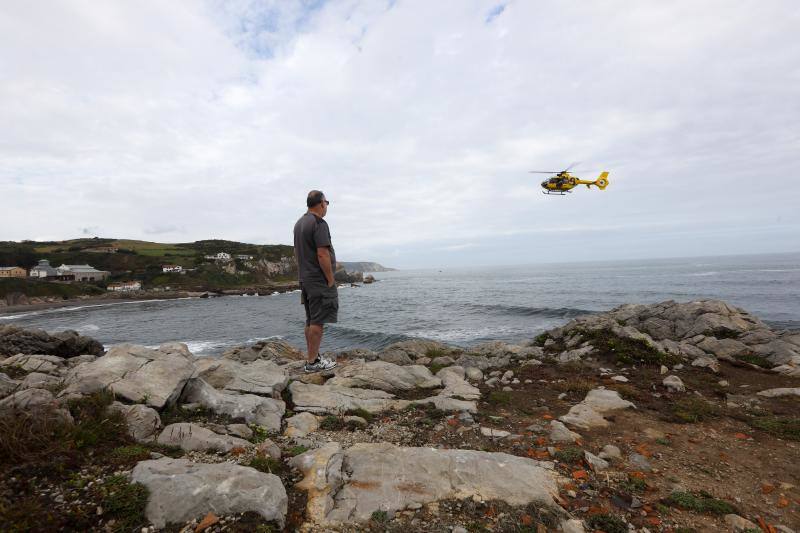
{"x":420,"y":120}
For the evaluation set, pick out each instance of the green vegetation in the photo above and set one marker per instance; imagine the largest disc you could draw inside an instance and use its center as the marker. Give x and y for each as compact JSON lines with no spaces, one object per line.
{"x":634,"y":484}
{"x":139,"y":260}
{"x":608,"y":523}
{"x":41,"y":289}
{"x":787,"y":427}
{"x":260,"y":434}
{"x":701,"y":502}
{"x":499,"y":397}
{"x":754,"y":359}
{"x":627,"y":351}
{"x":267,"y":465}
{"x":130,"y":454}
{"x":691,"y":410}
{"x":297,"y":450}
{"x":435,"y":352}
{"x":332,"y":423}
{"x":379,"y":517}
{"x":363,"y":413}
{"x":540,"y":339}
{"x":125,"y":503}
{"x":570,"y":454}
{"x":579,"y":385}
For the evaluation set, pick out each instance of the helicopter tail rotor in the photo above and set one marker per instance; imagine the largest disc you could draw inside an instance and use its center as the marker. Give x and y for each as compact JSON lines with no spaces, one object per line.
{"x":602,"y":181}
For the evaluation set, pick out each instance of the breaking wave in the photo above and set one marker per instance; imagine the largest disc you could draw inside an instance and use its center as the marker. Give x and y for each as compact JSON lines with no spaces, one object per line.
{"x":519,"y":310}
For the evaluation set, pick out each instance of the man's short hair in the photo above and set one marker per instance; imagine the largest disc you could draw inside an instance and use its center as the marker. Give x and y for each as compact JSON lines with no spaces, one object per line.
{"x":314,"y":198}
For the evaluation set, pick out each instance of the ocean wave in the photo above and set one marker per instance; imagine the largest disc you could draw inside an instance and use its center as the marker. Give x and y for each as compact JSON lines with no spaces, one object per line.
{"x":784,"y":324}
{"x":703,"y":274}
{"x":519,"y":310}
{"x":362,"y":338}
{"x":87,"y":327}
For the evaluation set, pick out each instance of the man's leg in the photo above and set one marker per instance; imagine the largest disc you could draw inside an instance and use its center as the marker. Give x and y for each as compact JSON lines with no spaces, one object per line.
{"x":314,"y":341}
{"x":308,"y":342}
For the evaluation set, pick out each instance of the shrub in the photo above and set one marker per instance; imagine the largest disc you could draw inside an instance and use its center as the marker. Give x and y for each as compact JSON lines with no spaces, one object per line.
{"x":608,"y":523}
{"x":701,"y":502}
{"x":125,"y":502}
{"x":332,"y":423}
{"x":691,"y":410}
{"x":265,"y":464}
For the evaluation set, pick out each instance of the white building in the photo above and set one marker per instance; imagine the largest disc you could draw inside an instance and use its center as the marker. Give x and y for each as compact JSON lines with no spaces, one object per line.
{"x":244,"y":257}
{"x":124,"y":286}
{"x":220,"y":256}
{"x":43,"y":270}
{"x":83,"y":272}
{"x":172,"y":268}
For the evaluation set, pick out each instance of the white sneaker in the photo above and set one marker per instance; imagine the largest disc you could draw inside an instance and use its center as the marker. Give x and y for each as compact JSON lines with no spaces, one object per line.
{"x":319,"y":365}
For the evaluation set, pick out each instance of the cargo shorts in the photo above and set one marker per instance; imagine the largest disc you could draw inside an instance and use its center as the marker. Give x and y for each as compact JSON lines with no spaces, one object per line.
{"x":321,"y":303}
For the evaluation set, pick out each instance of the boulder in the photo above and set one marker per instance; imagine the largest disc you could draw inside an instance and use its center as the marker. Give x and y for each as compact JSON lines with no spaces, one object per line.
{"x":499,"y":349}
{"x":739,"y":524}
{"x":595,"y":463}
{"x":239,"y":430}
{"x":8,"y":385}
{"x":143,"y":422}
{"x":301,"y":425}
{"x":705,"y":361}
{"x":349,"y":485}
{"x":560,"y":433}
{"x":473,"y":374}
{"x":46,"y":364}
{"x":135,"y":373}
{"x":455,"y":386}
{"x":191,"y":437}
{"x":575,"y":355}
{"x":15,"y":340}
{"x":335,"y":399}
{"x":28,"y":400}
{"x":275,"y":350}
{"x":384,"y":376}
{"x":405,"y":352}
{"x":723,"y":348}
{"x":589,"y":413}
{"x":37,"y":380}
{"x":266,"y":412}
{"x":181,"y":491}
{"x":674,"y":384}
{"x":258,"y":377}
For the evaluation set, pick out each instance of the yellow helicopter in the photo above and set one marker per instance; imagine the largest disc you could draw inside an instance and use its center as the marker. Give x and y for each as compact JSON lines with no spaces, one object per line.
{"x":563,"y":182}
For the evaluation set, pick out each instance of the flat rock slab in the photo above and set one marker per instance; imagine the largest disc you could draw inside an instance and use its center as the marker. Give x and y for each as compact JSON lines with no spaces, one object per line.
{"x":349,"y":485}
{"x":384,"y":376}
{"x":266,"y":412}
{"x":135,"y":373}
{"x":181,"y":490}
{"x":258,"y":377}
{"x":191,"y":437}
{"x":334,"y":399}
{"x":15,"y":340}
{"x":589,"y":413}
{"x":46,"y":364}
{"x":780,"y":393}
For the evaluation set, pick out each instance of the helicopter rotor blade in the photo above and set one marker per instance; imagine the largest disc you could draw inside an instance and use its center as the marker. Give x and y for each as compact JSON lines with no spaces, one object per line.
{"x":543,"y":171}
{"x":571,"y":166}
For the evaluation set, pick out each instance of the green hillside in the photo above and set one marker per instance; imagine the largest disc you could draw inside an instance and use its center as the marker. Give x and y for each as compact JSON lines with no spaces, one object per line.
{"x":142,"y":260}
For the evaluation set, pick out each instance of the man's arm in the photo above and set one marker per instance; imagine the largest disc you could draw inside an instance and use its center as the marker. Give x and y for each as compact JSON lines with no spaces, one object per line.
{"x":324,"y":258}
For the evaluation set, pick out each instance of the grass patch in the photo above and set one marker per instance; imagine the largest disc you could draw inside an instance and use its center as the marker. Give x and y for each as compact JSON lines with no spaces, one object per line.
{"x":498,"y":397}
{"x":260,"y":434}
{"x":436,"y":352}
{"x":787,"y":427}
{"x":540,"y":339}
{"x":297,"y":450}
{"x":608,"y":523}
{"x":434,"y":368}
{"x":268,"y":465}
{"x":130,"y":454}
{"x":634,"y":484}
{"x":332,"y":423}
{"x":701,"y":502}
{"x":571,"y":454}
{"x":379,"y":517}
{"x":692,"y":410}
{"x":754,"y":359}
{"x":627,"y":351}
{"x":125,"y":502}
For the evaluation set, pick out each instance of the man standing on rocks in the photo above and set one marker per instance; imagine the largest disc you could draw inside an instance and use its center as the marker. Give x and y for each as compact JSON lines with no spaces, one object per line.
{"x":316,"y":263}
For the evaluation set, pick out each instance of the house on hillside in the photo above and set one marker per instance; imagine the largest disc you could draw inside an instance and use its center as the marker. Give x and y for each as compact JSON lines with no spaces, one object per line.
{"x":172,"y":268}
{"x":43,"y":270}
{"x":220,"y":256}
{"x":83,"y":272}
{"x":13,"y":272}
{"x":125,"y":286}
{"x":244,"y":257}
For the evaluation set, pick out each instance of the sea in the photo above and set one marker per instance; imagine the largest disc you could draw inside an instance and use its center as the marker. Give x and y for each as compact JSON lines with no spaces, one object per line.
{"x":459,"y":306}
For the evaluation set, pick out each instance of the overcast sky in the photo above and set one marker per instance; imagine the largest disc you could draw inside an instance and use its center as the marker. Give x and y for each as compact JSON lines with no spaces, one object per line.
{"x":177,"y":121}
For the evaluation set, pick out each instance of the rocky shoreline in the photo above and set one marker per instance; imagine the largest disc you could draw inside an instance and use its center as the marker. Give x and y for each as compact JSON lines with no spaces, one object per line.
{"x":39,"y":304}
{"x":665,"y":417}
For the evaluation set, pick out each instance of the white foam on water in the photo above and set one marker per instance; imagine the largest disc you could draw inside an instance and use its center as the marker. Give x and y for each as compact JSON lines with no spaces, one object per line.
{"x":704,"y":274}
{"x":88,"y":327}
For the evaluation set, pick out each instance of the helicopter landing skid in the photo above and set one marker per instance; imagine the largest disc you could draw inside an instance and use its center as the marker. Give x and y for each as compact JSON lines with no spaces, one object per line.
{"x":559,"y":193}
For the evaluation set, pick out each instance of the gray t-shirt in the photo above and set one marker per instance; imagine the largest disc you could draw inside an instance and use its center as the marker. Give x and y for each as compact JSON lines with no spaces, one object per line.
{"x":312,"y":232}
